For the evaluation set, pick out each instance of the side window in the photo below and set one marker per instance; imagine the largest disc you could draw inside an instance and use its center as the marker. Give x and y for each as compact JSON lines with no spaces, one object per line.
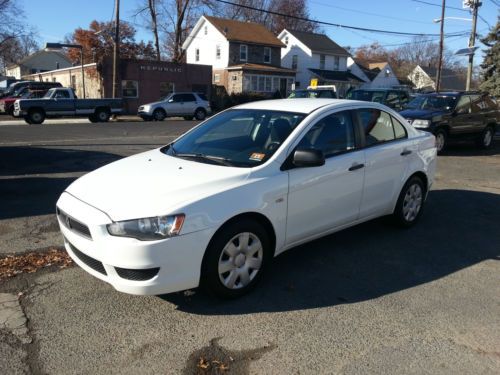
{"x":403,"y":98}
{"x":62,"y":95}
{"x":463,"y":105}
{"x":489,"y":103}
{"x":399,"y":129}
{"x":377,"y":126}
{"x":332,"y":134}
{"x":177,"y":98}
{"x":326,"y":94}
{"x":188,"y":98}
{"x":476,"y":103}
{"x":392,"y":99}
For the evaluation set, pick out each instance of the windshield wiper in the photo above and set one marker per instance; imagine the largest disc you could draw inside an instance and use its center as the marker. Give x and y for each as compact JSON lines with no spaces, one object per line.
{"x":217,"y":159}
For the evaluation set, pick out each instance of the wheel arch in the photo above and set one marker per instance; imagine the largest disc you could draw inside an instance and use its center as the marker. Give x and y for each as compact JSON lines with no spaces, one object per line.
{"x":100,"y":108}
{"x":423,"y":177}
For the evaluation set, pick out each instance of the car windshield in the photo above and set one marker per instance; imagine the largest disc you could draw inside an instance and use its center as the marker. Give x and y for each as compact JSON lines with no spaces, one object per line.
{"x":434,"y":102}
{"x":304,"y":94}
{"x":237,"y":138}
{"x":367,"y":96}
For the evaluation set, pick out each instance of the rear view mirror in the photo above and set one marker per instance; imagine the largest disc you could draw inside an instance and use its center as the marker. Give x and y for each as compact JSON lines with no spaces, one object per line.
{"x":308,"y":157}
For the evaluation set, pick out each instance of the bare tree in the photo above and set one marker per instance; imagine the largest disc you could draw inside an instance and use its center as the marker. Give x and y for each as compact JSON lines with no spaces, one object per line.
{"x":151,"y":21}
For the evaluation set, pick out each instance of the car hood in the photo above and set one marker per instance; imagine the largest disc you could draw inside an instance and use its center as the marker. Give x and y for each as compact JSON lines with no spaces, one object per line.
{"x":152,"y":184}
{"x":154,"y":104}
{"x":421,"y":113}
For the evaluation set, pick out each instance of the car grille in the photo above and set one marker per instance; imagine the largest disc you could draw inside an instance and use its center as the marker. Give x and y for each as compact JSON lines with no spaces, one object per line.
{"x":89,"y":261}
{"x":137,"y":275}
{"x":73,"y":224}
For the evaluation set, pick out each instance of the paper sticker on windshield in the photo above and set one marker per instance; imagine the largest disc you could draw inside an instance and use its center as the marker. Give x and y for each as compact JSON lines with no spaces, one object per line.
{"x":257,"y":156}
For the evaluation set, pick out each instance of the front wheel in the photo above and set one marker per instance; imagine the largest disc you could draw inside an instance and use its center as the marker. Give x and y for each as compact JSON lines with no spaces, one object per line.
{"x":441,"y":138}
{"x":485,"y":141}
{"x":36,"y":117}
{"x":200,"y":114}
{"x":159,"y":114}
{"x":236,"y":259}
{"x":410,"y":202}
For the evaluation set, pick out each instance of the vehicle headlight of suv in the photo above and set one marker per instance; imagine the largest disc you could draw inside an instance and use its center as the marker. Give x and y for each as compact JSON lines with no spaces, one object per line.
{"x":417,"y":123}
{"x":149,"y":228}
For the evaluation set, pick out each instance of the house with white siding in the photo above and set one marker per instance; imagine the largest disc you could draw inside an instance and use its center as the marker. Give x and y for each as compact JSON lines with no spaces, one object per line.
{"x":38,"y":62}
{"x":315,"y":55}
{"x":245,"y":56}
{"x":374,"y":74}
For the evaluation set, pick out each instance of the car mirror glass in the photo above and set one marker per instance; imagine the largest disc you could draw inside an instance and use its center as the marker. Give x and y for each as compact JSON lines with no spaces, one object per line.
{"x":308,"y":157}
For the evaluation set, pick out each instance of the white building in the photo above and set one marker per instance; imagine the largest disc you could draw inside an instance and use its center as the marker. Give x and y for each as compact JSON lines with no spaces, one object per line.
{"x":424,"y":78}
{"x":375,"y":75}
{"x":245,"y":56}
{"x":38,"y":62}
{"x":316,"y":56}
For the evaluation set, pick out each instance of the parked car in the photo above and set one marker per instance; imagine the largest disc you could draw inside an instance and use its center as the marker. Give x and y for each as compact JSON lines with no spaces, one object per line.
{"x":217,"y":204}
{"x":318,"y":92}
{"x":455,"y":116}
{"x":179,"y":104}
{"x":7,"y":104}
{"x":63,"y":102}
{"x":393,"y":98}
{"x":17,"y":87}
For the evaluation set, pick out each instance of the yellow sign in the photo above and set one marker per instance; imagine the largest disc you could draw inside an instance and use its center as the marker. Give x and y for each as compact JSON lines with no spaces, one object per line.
{"x":314,"y":82}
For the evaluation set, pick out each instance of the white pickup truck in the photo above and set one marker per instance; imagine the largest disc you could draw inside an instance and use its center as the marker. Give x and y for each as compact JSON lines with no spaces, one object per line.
{"x":62,"y":102}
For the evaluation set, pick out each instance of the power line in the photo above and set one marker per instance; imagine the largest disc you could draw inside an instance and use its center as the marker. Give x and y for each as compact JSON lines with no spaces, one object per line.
{"x":331,"y":23}
{"x":438,"y":5}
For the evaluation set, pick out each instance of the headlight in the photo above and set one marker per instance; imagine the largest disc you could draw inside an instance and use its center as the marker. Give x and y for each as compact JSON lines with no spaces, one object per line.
{"x":149,"y":228}
{"x":421,"y":123}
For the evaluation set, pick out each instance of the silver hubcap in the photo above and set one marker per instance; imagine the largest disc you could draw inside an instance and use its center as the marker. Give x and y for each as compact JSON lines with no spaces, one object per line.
{"x":439,"y":141}
{"x":412,"y":202}
{"x":36,"y":117}
{"x":240,"y":260}
{"x":488,"y":136}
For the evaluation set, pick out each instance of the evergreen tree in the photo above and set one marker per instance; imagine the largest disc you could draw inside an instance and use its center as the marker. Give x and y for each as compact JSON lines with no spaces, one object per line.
{"x":491,"y":62}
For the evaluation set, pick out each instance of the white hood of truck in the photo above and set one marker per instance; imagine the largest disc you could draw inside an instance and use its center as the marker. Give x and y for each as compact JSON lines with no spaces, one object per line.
{"x":152,"y":184}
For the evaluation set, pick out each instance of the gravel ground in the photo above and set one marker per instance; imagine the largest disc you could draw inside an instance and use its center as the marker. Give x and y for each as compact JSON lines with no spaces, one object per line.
{"x":370,"y":299}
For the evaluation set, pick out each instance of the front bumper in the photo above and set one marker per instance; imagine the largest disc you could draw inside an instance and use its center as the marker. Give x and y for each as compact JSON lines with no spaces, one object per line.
{"x":129,"y":265}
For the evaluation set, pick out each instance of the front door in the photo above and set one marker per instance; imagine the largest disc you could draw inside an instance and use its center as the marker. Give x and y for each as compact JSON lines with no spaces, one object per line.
{"x":283,"y":87}
{"x":326,"y":197}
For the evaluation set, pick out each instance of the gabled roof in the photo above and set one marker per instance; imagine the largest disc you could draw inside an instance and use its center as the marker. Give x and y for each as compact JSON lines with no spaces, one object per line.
{"x":319,"y":43}
{"x":58,"y":54}
{"x":261,"y":67}
{"x":450,"y":80}
{"x":246,"y":32}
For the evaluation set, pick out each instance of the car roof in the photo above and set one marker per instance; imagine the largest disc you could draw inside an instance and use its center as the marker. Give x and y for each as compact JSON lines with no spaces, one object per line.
{"x":380,"y":89}
{"x":302,"y":105}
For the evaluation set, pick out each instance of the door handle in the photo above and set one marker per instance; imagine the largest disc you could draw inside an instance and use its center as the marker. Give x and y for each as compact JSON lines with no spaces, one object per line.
{"x":406,"y":152}
{"x":356,"y":166}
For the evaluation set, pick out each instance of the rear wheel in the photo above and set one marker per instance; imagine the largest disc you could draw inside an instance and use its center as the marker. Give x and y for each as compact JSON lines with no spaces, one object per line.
{"x":410,"y":202}
{"x":93,"y":118}
{"x":485,"y":141}
{"x":101,"y":115}
{"x":159,"y":114}
{"x":236,"y":259}
{"x":10,"y":111}
{"x":200,"y":114}
{"x":36,"y":116}
{"x":441,"y":138}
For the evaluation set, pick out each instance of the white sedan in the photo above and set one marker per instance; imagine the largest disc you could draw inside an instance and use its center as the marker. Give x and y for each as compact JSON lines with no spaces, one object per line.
{"x":216,"y":205}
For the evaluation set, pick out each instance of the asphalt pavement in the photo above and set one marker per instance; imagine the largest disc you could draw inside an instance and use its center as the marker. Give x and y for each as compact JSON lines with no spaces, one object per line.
{"x":371,"y":299}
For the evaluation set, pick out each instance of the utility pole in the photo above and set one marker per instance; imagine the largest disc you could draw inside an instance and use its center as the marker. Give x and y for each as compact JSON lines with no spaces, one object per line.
{"x":441,"y":47}
{"x":474,"y":4}
{"x":116,"y":55}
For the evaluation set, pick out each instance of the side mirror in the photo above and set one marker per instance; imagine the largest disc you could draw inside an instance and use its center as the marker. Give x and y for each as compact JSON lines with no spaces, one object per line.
{"x":308,"y":157}
{"x":171,"y":100}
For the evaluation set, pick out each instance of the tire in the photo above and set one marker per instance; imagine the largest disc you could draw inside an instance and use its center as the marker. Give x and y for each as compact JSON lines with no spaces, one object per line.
{"x":10,"y":111}
{"x":36,"y":117}
{"x":410,"y":203}
{"x":200,"y":114}
{"x":93,"y":118}
{"x":101,"y":115}
{"x":159,"y":114}
{"x":188,"y":118}
{"x":27,"y":120}
{"x":226,"y":270}
{"x":441,"y":140}
{"x":485,"y":141}
{"x":147,"y":118}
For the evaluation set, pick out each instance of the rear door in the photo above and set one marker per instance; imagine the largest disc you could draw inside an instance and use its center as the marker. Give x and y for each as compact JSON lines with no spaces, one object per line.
{"x":189,"y":104}
{"x":326,"y":197}
{"x":388,"y":152}
{"x":462,"y":122}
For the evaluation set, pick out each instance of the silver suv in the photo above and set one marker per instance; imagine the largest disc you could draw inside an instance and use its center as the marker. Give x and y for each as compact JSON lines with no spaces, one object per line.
{"x":182,"y":104}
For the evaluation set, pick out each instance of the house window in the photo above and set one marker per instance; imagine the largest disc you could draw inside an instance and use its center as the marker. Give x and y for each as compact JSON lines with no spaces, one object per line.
{"x":54,"y":79}
{"x":73,"y":82}
{"x":268,"y":84}
{"x":322,"y":62}
{"x":206,"y":30}
{"x":261,"y":83}
{"x":255,"y":83}
{"x":286,"y":40}
{"x":197,"y":54}
{"x":216,"y":78}
{"x":166,"y":88}
{"x":243,"y":52}
{"x":336,"y":63}
{"x":130,"y":89}
{"x":294,"y":61}
{"x":297,"y":84}
{"x":267,"y":55}
{"x":217,"y":52}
